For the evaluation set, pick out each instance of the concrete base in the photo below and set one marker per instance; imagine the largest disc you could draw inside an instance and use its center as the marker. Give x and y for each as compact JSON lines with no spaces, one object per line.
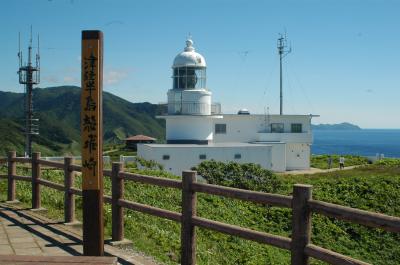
{"x":13,"y":202}
{"x":41,"y":209}
{"x":74,"y":224}
{"x":124,"y":242}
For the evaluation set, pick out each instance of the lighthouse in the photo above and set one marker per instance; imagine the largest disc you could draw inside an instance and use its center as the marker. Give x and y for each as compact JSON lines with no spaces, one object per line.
{"x":197,"y":130}
{"x":189,"y":119}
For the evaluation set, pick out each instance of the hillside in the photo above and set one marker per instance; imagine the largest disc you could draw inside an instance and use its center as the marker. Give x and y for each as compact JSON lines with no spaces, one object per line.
{"x":58,"y":109}
{"x":339,"y":126}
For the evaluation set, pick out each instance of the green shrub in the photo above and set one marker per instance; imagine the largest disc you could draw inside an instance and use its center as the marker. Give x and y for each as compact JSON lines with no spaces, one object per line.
{"x":388,"y":162}
{"x":247,"y":176}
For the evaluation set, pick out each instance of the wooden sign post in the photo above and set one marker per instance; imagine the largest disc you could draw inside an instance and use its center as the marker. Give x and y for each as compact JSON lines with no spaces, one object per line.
{"x":92,"y":146}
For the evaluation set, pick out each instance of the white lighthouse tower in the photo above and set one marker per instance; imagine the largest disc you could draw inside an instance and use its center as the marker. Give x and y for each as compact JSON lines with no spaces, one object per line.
{"x":196,"y":130}
{"x":189,"y":119}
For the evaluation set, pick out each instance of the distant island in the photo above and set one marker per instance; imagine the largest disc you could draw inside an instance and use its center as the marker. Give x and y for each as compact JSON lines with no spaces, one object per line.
{"x":341,"y":126}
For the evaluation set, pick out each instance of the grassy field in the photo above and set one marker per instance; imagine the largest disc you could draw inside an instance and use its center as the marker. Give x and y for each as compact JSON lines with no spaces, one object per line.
{"x":374,"y":188}
{"x":321,"y":161}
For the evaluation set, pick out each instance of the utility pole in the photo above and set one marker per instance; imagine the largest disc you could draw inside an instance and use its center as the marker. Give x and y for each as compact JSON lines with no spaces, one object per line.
{"x":283,"y":51}
{"x":29,"y":75}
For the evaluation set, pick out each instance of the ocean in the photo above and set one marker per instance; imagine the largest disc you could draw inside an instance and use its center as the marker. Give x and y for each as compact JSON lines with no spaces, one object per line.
{"x":365,"y":142}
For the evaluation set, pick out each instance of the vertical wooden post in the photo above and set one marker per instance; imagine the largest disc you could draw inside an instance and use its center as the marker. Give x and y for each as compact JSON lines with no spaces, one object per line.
{"x":92,"y":142}
{"x":301,"y":223}
{"x":117,"y":190}
{"x":69,"y":201}
{"x":188,"y":232}
{"x":12,"y":170}
{"x":35,"y":176}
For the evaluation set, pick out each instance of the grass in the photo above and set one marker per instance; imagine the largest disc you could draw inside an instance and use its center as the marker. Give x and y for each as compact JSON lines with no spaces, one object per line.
{"x":321,"y":161}
{"x":373,"y":188}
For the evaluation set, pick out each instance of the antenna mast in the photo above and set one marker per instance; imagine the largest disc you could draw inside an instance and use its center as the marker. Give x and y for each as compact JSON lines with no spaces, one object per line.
{"x":283,"y":51}
{"x":29,"y":75}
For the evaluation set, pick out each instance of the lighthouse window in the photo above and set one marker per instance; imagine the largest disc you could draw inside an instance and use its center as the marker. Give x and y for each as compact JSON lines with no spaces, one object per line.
{"x":220,"y":128}
{"x":203,"y":156}
{"x":165,"y":157}
{"x":296,"y":127}
{"x":189,"y":78}
{"x":277,"y":127}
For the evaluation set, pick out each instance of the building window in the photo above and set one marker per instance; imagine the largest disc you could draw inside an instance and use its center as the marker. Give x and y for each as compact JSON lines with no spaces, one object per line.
{"x":277,"y":127}
{"x":220,"y":128}
{"x":238,"y":156}
{"x":202,"y":156}
{"x":296,"y":127}
{"x":165,"y":157}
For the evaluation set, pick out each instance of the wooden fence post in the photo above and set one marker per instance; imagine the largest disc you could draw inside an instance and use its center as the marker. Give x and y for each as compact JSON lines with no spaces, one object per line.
{"x":36,"y":202}
{"x":188,"y":232}
{"x":301,"y":223}
{"x":12,"y":170}
{"x":69,"y":201}
{"x":117,"y":190}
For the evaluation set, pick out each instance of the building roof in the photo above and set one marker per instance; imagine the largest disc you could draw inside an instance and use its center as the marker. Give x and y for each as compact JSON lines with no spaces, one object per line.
{"x":189,"y":57}
{"x":140,"y":137}
{"x":218,"y":145}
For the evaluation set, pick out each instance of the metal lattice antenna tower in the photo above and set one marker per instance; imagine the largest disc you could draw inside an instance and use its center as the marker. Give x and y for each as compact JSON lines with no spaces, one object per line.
{"x":29,"y":75}
{"x":283,"y":51}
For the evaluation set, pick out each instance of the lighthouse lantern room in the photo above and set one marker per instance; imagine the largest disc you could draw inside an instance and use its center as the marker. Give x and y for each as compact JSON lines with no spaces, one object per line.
{"x":189,"y":95}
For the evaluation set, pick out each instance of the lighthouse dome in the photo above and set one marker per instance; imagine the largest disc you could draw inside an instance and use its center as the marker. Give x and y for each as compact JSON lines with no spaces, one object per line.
{"x":189,"y":57}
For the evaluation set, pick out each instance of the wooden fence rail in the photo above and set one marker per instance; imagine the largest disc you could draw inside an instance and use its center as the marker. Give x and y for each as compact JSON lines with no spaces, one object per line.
{"x":301,"y":203}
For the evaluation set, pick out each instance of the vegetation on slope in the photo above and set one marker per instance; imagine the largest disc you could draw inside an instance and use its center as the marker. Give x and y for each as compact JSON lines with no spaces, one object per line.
{"x":58,"y":109}
{"x":374,"y":188}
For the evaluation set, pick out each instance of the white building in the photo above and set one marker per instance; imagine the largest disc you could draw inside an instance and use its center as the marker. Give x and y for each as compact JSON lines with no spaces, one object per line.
{"x":196,"y":130}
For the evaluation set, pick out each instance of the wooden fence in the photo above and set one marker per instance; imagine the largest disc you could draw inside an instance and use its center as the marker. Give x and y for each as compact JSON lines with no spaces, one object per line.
{"x":301,"y":203}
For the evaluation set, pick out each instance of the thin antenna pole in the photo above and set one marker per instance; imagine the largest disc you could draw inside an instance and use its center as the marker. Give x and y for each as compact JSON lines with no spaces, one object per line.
{"x":280,"y":76}
{"x":282,"y":53}
{"x":31,"y":37}
{"x":19,"y":49}
{"x":30,"y":50}
{"x":38,"y":60}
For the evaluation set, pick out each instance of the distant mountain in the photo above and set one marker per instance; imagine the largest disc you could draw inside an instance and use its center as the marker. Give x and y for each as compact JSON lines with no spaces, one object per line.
{"x":58,"y":109}
{"x":340,"y":126}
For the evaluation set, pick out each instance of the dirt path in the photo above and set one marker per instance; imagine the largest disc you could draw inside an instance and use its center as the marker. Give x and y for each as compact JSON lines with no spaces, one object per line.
{"x":316,"y":170}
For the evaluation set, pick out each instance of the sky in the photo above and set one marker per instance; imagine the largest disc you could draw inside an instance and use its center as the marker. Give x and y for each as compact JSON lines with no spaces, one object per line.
{"x":344,"y":64}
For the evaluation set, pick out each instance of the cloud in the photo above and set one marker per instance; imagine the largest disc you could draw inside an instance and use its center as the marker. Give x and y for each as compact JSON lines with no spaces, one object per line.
{"x":114,"y":76}
{"x":50,"y":79}
{"x":70,"y":79}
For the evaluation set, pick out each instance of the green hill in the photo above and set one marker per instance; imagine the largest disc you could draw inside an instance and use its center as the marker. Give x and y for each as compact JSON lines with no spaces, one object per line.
{"x":58,"y":109}
{"x":341,"y":126}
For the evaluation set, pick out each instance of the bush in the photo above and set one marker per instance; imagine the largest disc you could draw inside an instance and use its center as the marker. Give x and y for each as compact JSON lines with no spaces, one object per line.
{"x":388,"y":162}
{"x":148,"y":164}
{"x":243,"y":176}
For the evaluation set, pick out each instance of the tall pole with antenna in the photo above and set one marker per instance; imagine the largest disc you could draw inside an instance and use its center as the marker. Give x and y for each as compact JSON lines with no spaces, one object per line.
{"x":29,"y":75}
{"x":283,"y":51}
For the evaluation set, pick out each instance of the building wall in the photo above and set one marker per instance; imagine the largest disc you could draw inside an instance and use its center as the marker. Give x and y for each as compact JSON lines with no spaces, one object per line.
{"x":288,"y":151}
{"x":184,"y":158}
{"x":297,"y":156}
{"x":189,"y":128}
{"x":278,"y":157}
{"x":246,"y":128}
